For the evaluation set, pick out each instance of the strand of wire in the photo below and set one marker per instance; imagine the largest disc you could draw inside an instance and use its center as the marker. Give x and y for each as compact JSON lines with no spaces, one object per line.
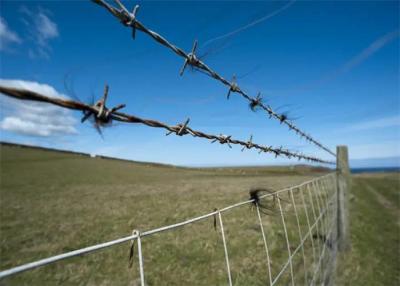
{"x":129,"y":19}
{"x":287,"y":240}
{"x":307,"y":236}
{"x":136,"y":233}
{"x":324,"y":211}
{"x":300,"y":233}
{"x":324,"y":247}
{"x":104,"y":115}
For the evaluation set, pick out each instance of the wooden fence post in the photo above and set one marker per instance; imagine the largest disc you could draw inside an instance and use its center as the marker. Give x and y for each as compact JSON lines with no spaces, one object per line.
{"x":343,"y":193}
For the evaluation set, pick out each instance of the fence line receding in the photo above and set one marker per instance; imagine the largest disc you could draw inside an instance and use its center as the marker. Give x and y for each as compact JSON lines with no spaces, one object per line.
{"x":299,"y":228}
{"x":190,"y":59}
{"x":102,"y":116}
{"x":310,"y":247}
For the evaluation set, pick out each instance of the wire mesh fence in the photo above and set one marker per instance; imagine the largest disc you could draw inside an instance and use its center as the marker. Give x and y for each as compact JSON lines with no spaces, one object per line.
{"x":285,"y":237}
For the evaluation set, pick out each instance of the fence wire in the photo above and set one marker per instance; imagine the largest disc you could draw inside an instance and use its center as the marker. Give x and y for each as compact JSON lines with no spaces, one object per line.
{"x":309,"y":238}
{"x":102,"y":116}
{"x":129,"y":19}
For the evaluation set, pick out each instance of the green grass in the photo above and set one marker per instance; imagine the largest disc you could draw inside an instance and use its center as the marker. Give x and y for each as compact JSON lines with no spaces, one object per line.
{"x":55,"y":202}
{"x":375,"y":208}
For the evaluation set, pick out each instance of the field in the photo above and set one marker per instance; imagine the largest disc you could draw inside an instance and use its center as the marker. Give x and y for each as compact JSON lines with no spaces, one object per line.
{"x":375,"y":232}
{"x":55,"y":202}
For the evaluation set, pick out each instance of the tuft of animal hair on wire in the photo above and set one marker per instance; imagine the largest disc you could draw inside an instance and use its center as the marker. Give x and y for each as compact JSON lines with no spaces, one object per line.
{"x":323,"y":239}
{"x":265,"y":206}
{"x":215,"y":219}
{"x":87,"y":115}
{"x":131,"y":252}
{"x":284,"y":116}
{"x":255,"y":103}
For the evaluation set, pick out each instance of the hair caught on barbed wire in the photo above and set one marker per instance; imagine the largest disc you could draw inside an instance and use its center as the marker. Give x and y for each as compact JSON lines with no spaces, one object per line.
{"x":255,"y":103}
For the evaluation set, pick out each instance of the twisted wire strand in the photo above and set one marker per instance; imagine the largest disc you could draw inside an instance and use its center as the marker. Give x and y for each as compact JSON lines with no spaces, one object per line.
{"x":129,"y":19}
{"x":102,"y":115}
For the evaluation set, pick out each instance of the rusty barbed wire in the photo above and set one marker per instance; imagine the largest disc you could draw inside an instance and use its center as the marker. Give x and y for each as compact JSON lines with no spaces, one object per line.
{"x":129,"y":19}
{"x":103,"y":115}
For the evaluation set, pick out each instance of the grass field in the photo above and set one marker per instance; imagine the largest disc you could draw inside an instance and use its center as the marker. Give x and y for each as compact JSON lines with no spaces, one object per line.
{"x":53,"y":202}
{"x":375,"y":232}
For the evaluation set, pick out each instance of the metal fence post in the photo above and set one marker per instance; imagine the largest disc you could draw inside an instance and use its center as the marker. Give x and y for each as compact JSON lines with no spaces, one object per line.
{"x":343,"y":192}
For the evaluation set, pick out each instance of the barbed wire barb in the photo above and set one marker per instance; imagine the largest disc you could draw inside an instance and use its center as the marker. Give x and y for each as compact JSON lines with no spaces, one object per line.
{"x":223,"y":139}
{"x":191,"y":60}
{"x":233,"y":86}
{"x":249,"y":144}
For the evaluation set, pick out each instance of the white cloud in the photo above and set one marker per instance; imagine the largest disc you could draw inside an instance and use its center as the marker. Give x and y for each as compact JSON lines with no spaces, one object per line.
{"x":7,"y":36}
{"x":33,"y":118}
{"x":391,"y":121}
{"x":42,"y":29}
{"x":47,"y":28}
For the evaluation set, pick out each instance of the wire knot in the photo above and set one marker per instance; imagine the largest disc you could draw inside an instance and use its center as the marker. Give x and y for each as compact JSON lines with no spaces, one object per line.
{"x":180,"y":129}
{"x":280,"y":149}
{"x":234,"y":87}
{"x":129,"y":18}
{"x":191,"y":59}
{"x":223,"y":139}
{"x":249,"y":144}
{"x":103,"y":114}
{"x":263,"y":149}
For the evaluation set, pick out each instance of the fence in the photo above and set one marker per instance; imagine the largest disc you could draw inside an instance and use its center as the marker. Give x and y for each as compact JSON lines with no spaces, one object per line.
{"x":311,"y":216}
{"x":103,"y":116}
{"x":299,"y":229}
{"x":130,"y":20}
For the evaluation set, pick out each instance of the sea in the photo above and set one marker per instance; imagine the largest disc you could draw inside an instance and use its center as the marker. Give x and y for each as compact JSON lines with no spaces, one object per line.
{"x":375,"y":170}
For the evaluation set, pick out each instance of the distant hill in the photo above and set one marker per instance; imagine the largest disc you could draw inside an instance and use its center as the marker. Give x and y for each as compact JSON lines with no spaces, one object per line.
{"x":79,"y":153}
{"x":298,"y":168}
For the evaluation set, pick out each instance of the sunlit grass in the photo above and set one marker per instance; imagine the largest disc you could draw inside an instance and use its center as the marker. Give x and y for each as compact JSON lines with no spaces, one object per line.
{"x":52,"y":203}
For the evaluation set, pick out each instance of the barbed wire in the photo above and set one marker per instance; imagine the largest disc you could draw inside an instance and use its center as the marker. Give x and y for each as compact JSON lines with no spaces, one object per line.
{"x":103,"y":115}
{"x":129,"y":19}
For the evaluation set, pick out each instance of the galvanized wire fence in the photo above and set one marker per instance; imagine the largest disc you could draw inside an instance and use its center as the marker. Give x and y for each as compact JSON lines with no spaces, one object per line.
{"x":293,"y":231}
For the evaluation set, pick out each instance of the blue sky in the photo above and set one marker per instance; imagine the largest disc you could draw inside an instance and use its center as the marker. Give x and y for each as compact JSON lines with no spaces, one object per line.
{"x":333,"y":66}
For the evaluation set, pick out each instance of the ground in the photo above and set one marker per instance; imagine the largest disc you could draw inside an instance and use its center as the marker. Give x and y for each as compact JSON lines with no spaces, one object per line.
{"x":375,"y":234}
{"x":56,"y":202}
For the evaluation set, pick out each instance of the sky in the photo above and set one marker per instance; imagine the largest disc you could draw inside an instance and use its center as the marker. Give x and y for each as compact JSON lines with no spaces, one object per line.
{"x":333,"y":67}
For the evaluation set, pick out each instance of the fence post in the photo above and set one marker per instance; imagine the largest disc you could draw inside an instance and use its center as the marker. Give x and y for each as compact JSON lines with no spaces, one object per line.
{"x":343,"y":193}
